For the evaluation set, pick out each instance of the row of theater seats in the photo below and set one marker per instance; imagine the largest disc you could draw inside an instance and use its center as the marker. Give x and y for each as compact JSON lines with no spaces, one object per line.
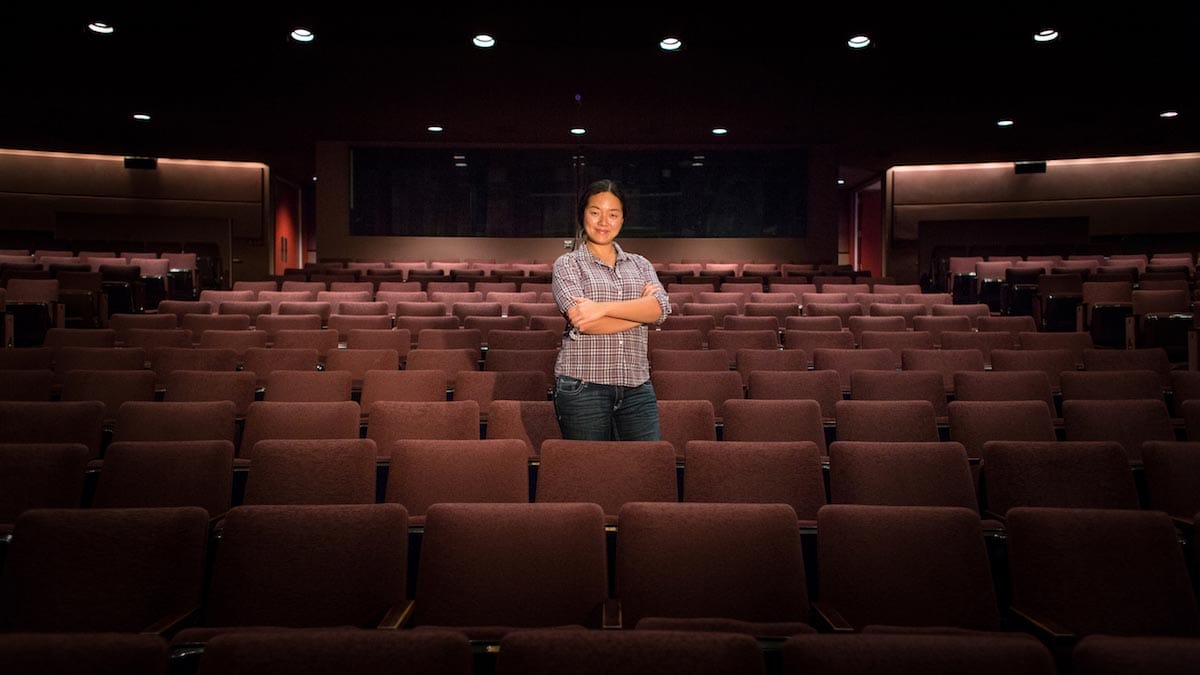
{"x":146,"y":467}
{"x":715,"y":374}
{"x":538,"y":652}
{"x":485,"y":571}
{"x":939,"y":378}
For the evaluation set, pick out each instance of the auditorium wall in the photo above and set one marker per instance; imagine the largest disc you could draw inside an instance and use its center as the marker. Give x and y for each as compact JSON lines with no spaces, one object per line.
{"x":95,"y":198}
{"x":1136,"y":200}
{"x":335,"y":242}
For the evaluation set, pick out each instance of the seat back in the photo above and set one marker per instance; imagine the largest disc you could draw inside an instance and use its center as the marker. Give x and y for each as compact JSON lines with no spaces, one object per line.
{"x":475,"y":573}
{"x":316,"y":471}
{"x":1060,"y":474}
{"x":102,"y":570}
{"x":309,"y":566}
{"x":608,"y":473}
{"x":905,"y":566}
{"x":1108,"y":571}
{"x":748,"y":558}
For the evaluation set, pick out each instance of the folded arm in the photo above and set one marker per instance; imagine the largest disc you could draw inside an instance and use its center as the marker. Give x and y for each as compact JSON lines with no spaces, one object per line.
{"x":603,"y":318}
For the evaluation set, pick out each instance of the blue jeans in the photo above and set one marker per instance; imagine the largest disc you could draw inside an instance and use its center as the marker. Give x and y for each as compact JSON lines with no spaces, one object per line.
{"x":605,"y":412}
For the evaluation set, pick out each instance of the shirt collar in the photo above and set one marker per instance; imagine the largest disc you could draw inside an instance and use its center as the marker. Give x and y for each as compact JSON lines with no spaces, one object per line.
{"x":621,"y":254}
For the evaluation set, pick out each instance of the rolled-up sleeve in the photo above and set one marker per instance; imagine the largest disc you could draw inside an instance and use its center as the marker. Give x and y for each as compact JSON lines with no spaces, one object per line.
{"x":664,"y":300}
{"x":567,"y":283}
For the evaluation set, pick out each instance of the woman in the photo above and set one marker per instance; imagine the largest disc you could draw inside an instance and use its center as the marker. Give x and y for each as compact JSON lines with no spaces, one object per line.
{"x":602,"y":386}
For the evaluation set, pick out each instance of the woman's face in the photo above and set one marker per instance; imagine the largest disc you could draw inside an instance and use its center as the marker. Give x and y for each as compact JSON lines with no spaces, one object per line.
{"x":602,"y":218}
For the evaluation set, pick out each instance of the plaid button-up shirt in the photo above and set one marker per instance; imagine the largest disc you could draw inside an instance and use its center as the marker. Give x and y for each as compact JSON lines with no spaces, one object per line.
{"x":619,"y":358}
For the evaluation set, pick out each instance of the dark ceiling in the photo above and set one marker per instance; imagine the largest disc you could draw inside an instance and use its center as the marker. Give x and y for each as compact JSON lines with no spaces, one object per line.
{"x":229,"y":84}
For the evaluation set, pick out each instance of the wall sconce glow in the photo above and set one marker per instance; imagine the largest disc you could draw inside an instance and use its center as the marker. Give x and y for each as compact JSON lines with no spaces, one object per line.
{"x":1004,"y":123}
{"x":719,"y":131}
{"x":1047,"y":35}
{"x":141,"y":117}
{"x":435,"y":128}
{"x":101,"y":28}
{"x":578,"y":131}
{"x":1168,"y":114}
{"x":303,"y":35}
{"x":484,"y":41}
{"x":858,"y":42}
{"x":671,"y":44}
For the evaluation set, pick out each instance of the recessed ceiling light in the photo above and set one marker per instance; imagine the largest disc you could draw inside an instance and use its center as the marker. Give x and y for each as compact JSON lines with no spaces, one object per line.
{"x":461,"y":165}
{"x":141,"y":117}
{"x":719,"y":131}
{"x":1167,"y":114}
{"x":101,"y":28}
{"x":671,"y":44}
{"x":435,"y":128}
{"x":1047,"y":35}
{"x":483,"y":40}
{"x":841,"y":181}
{"x":314,"y":179}
{"x":303,"y":35}
{"x":578,"y":131}
{"x":1004,"y":123}
{"x":858,"y":42}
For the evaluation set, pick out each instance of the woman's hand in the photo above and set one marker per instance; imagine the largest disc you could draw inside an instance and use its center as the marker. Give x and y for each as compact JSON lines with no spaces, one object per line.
{"x":591,"y":317}
{"x":650,"y":288}
{"x":585,"y":313}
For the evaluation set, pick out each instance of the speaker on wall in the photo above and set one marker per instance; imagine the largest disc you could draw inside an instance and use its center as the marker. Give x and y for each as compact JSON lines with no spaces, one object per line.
{"x":141,"y":163}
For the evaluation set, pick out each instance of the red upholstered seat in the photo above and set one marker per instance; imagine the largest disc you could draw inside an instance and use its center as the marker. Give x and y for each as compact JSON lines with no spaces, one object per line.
{"x":1059,"y":474}
{"x":1101,"y":571}
{"x":306,"y":567}
{"x":756,"y":472}
{"x":303,"y":471}
{"x":550,"y":652}
{"x":914,"y":566}
{"x":427,"y":472}
{"x":747,"y":557}
{"x":608,"y":473}
{"x":489,"y":568}
{"x":103,"y":570}
{"x":327,"y":650}
{"x":153,"y":474}
{"x":980,"y":654}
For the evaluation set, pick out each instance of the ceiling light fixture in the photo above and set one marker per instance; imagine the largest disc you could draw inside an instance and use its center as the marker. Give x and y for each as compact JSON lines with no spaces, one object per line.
{"x":841,"y":181}
{"x":1168,"y":114}
{"x":303,"y":35}
{"x":484,"y":41}
{"x":671,"y":44}
{"x":435,"y":128}
{"x":1004,"y":123}
{"x":719,"y":131}
{"x":578,"y":131}
{"x":858,"y":42}
{"x":1046,"y":35}
{"x":141,"y":117}
{"x":101,"y":28}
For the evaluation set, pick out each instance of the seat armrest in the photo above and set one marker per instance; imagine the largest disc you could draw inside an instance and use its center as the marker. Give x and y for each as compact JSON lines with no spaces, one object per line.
{"x":170,"y":624}
{"x":397,"y":616}
{"x":1043,"y":627}
{"x":832,"y":619}
{"x":612,"y":614}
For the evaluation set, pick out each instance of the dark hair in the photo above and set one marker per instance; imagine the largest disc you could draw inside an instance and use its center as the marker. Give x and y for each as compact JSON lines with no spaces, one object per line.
{"x":596,"y":188}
